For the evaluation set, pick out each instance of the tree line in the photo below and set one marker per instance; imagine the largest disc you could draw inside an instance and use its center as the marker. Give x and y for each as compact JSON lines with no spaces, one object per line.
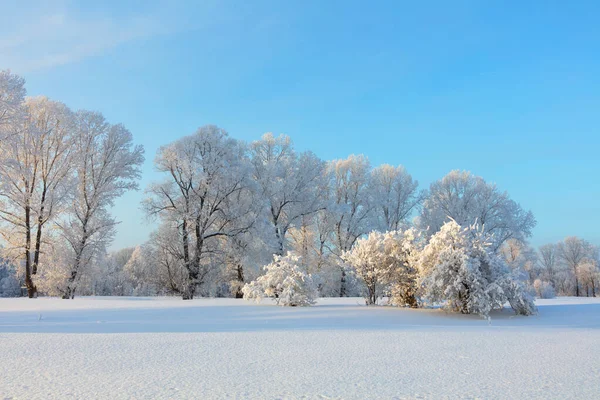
{"x":224,"y":209}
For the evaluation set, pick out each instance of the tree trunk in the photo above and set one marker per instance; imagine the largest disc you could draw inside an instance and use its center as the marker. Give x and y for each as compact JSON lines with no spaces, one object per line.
{"x":190,"y":288}
{"x":278,"y":235}
{"x":343,"y":284}
{"x":69,"y":293}
{"x":279,"y":251}
{"x":240,"y":277}
{"x":38,"y":245}
{"x":194,"y":264}
{"x":70,"y":290}
{"x":372,"y":295}
{"x":38,"y":236}
{"x":31,"y":288}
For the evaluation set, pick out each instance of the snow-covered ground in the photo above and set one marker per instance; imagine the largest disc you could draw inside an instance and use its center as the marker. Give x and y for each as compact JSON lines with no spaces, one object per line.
{"x":91,"y":348}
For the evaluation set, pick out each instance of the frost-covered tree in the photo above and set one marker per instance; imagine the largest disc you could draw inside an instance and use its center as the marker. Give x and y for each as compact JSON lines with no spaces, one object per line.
{"x":349,"y":208}
{"x":573,"y":251}
{"x":291,"y":184}
{"x":468,"y":200}
{"x":311,"y":241}
{"x":106,"y":165}
{"x":394,"y":197}
{"x":206,"y":195}
{"x":52,"y":280}
{"x":236,"y":253}
{"x":141,"y":273}
{"x":165,"y":249}
{"x":12,"y":94}
{"x":242,"y":259}
{"x":383,"y":261}
{"x":549,"y":263}
{"x":544,"y":289}
{"x":108,"y":276}
{"x":35,"y":163}
{"x":520,"y":256}
{"x":286,"y":281}
{"x":589,"y":276}
{"x":459,"y":268}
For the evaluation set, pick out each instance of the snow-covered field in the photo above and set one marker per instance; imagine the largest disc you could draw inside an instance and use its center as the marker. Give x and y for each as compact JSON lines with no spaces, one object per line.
{"x":113,"y":348}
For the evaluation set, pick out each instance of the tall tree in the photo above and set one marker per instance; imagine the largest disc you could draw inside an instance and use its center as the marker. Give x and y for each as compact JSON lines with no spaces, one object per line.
{"x":206,"y":195}
{"x":107,"y":164}
{"x":35,"y":163}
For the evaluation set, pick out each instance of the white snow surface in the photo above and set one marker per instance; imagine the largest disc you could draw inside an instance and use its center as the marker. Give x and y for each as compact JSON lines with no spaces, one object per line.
{"x":166,"y":348}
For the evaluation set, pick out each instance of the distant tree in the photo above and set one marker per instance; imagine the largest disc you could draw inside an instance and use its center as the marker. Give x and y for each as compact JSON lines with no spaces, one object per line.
{"x":549,"y":262}
{"x":244,"y":254}
{"x":589,"y":276}
{"x":165,"y":254}
{"x":468,"y":199}
{"x":311,"y":241}
{"x":520,"y":257}
{"x":109,"y":278}
{"x":573,"y":251}
{"x":140,"y":272}
{"x":394,"y":197}
{"x":291,"y":184}
{"x":349,"y":208}
{"x":544,"y":289}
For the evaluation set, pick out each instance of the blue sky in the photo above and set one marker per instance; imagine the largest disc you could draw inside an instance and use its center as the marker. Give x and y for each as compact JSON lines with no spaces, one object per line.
{"x":508,"y":90}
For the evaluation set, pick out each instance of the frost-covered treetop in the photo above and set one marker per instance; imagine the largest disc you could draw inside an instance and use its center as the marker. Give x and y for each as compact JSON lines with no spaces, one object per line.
{"x":469,"y":199}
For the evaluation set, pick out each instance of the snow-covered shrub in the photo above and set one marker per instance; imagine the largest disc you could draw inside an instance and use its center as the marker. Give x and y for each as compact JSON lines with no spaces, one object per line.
{"x":381,"y":262}
{"x":403,"y":288}
{"x":284,"y":280}
{"x":459,"y":268}
{"x":544,"y":289}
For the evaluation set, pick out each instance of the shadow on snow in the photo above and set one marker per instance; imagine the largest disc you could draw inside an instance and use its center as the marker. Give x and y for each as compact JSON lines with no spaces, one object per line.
{"x":200,"y":316}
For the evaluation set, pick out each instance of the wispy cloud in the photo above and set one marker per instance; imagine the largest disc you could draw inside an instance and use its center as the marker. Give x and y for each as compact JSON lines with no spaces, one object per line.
{"x":62,"y":34}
